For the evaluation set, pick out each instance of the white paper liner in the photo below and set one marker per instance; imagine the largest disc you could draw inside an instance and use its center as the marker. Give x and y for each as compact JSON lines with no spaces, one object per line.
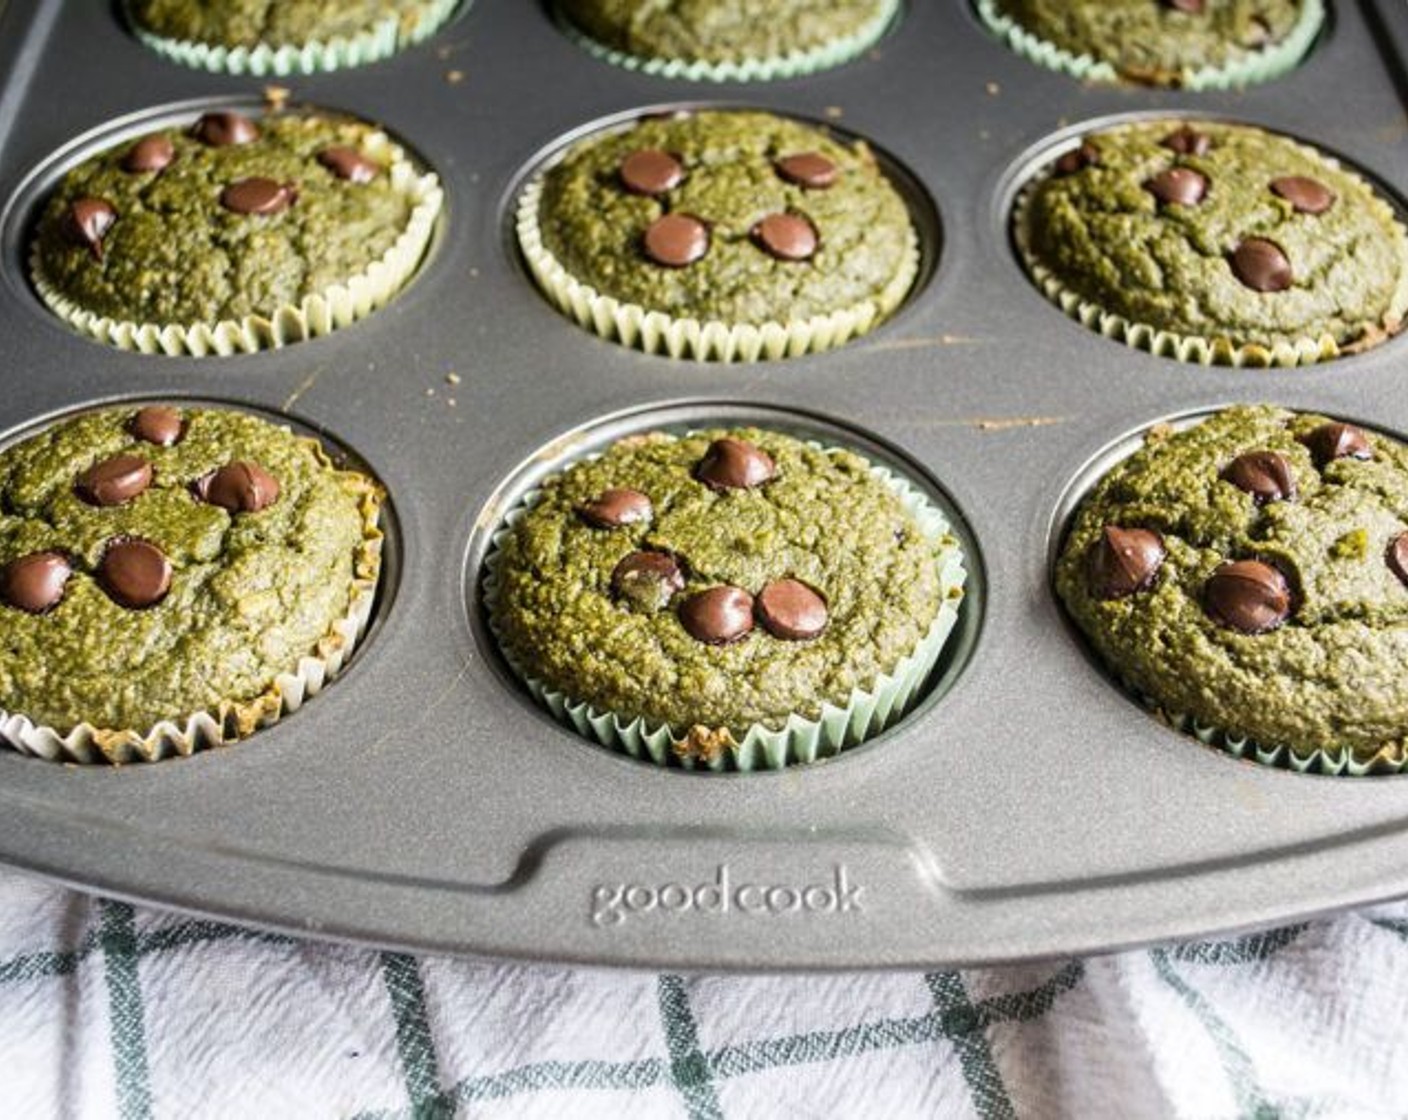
{"x":746,"y":69}
{"x":1261,"y":66}
{"x":1221,"y":350}
{"x":657,"y":332}
{"x":1333,"y":761}
{"x":319,"y":313}
{"x":234,"y":720}
{"x":390,"y":35}
{"x":866,"y":713}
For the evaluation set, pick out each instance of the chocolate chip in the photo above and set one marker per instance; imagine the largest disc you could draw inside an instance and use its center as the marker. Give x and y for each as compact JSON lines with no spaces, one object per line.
{"x":348,"y":163}
{"x":240,"y":487}
{"x":1078,"y":159}
{"x":1397,"y":556}
{"x":158,"y":424}
{"x":788,"y":237}
{"x":734,"y":464}
{"x":151,"y":153}
{"x":1265,"y":475}
{"x":89,"y":220}
{"x":1178,"y":186}
{"x":1187,"y":141}
{"x":222,"y":129}
{"x":111,"y":482}
{"x":1338,"y":441}
{"x":1308,"y":196}
{"x":1247,"y":595}
{"x":1124,"y":561}
{"x":676,"y":240}
{"x":35,"y":583}
{"x":718,"y":616}
{"x":135,"y":573}
{"x":647,"y":581}
{"x":258,"y":195}
{"x":1261,"y":266}
{"x":616,"y":507}
{"x":1193,"y":7}
{"x":811,"y":170}
{"x":651,"y":172}
{"x":791,"y":610}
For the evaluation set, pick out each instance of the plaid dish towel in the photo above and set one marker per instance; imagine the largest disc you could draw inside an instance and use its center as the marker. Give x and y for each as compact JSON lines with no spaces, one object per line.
{"x":110,"y":1010}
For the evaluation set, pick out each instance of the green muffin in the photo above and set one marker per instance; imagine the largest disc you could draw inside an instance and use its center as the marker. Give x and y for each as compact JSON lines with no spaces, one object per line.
{"x":728,"y":40}
{"x":721,"y":234}
{"x":171,"y":578}
{"x":289,"y":37}
{"x":727,"y":598}
{"x":233,"y":234}
{"x":1197,"y":44}
{"x":1215,"y":242}
{"x":1249,"y":577}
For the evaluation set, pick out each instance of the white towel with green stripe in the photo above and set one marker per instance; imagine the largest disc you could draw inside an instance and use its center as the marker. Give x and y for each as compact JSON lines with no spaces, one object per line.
{"x":109,"y":1010}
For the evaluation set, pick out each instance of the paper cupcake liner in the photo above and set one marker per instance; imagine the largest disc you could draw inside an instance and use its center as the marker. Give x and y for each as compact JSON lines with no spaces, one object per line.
{"x":317,"y":314}
{"x":1331,"y":761}
{"x":756,"y":69}
{"x":866,"y":713}
{"x":231,"y":720}
{"x":1261,"y":66}
{"x":656,"y":332}
{"x":265,"y":60}
{"x":1221,"y":350}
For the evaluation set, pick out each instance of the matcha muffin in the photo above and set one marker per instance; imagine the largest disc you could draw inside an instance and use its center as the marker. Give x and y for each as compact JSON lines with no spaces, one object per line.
{"x":233,"y":234}
{"x":725,"y":235}
{"x":1248,"y":576}
{"x":1196,"y":44}
{"x":172,"y":578}
{"x":288,"y":37}
{"x":727,"y":40}
{"x":725,"y":598}
{"x":1215,"y":243}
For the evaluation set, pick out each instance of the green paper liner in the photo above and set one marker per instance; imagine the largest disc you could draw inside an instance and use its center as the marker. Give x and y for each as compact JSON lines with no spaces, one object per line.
{"x":755,"y":69}
{"x":1219,"y":350}
{"x":234,"y":719}
{"x":657,"y":332}
{"x":1332,"y":761}
{"x":317,"y":314}
{"x":392,"y":34}
{"x":800,"y":740}
{"x":1261,"y":66}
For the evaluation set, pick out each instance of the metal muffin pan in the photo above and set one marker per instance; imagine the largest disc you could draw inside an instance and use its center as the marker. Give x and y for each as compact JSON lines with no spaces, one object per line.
{"x":1025,"y":809}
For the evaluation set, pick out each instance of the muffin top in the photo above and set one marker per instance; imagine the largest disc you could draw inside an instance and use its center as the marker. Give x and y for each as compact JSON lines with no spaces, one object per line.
{"x":1220,"y":232}
{"x":1250,"y":572}
{"x":724,"y":30}
{"x":742,"y":217}
{"x":231,"y":217}
{"x":247,"y":23}
{"x":722,"y":579}
{"x":1159,"y":42}
{"x":156,"y":562}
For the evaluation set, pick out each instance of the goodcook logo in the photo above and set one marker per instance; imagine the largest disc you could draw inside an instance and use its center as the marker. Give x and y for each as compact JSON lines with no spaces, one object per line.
{"x":612,"y":904}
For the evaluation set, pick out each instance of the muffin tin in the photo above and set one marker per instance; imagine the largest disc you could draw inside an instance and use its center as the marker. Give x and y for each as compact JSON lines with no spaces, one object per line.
{"x":1026,"y":808}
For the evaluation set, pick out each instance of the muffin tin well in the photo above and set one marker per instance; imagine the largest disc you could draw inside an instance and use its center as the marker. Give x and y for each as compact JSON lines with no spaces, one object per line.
{"x":20,"y":217}
{"x":295,"y":685}
{"x":1024,"y":809}
{"x":1083,"y":482}
{"x":924,"y":213}
{"x":1037,"y":163}
{"x":684,"y":417}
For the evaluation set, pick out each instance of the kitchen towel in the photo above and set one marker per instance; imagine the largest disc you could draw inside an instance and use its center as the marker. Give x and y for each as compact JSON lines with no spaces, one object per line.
{"x":111,"y":1010}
